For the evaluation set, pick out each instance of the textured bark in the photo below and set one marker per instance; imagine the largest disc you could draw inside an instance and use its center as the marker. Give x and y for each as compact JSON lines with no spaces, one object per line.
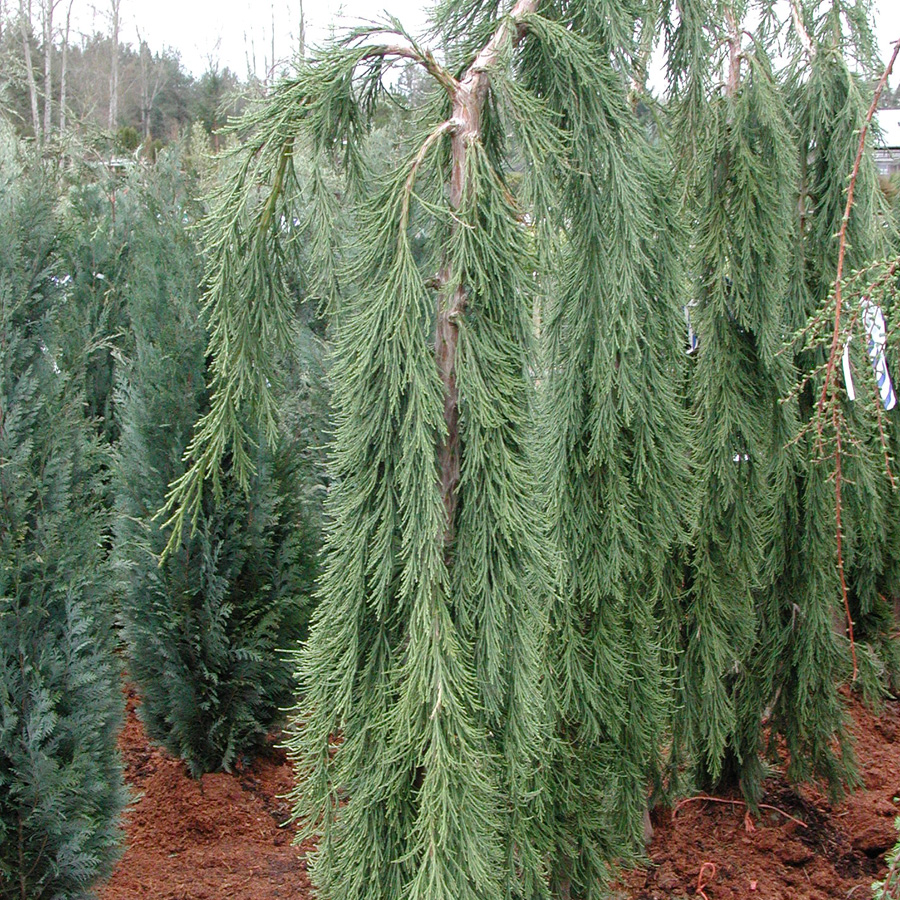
{"x":734,"y":53}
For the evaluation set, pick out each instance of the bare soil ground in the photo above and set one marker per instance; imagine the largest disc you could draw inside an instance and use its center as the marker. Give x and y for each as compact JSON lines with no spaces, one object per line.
{"x":224,"y":835}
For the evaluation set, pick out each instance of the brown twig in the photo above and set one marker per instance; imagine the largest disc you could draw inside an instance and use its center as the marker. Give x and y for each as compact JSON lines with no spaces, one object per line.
{"x":835,"y":415}
{"x":836,"y":344}
{"x":706,"y":797}
{"x":842,"y":235}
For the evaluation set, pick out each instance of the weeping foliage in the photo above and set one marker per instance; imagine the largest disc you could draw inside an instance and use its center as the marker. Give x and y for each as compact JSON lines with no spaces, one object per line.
{"x":616,"y":450}
{"x":760,"y":645}
{"x":743,"y":442}
{"x":503,"y":604}
{"x":436,"y":634}
{"x":208,"y":630}
{"x":61,"y":786}
{"x":830,"y":106}
{"x":424,"y":652}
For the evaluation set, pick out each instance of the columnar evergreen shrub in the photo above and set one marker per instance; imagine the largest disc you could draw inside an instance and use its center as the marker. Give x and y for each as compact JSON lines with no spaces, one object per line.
{"x":60,"y":694}
{"x":209,"y":631}
{"x":98,"y":219}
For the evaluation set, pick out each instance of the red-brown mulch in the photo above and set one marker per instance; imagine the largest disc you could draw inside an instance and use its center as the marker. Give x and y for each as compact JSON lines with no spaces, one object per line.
{"x":223,"y":836}
{"x":837,"y":855}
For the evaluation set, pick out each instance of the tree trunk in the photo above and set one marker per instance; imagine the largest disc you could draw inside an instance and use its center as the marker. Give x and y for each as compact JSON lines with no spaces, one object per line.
{"x":48,"y":7}
{"x":63,"y":71}
{"x":144,"y":52}
{"x":25,"y":22}
{"x":468,"y":96}
{"x":114,"y":68}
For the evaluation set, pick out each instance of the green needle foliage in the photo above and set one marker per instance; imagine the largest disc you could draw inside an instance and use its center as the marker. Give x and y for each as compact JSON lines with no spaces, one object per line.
{"x":208,"y":630}
{"x":485,"y":686}
{"x":743,"y":441}
{"x":98,"y":218}
{"x":829,"y":105}
{"x":616,"y":451}
{"x":60,"y":701}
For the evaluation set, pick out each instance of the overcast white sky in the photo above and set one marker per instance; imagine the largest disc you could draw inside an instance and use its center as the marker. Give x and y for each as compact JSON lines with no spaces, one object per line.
{"x":236,"y":33}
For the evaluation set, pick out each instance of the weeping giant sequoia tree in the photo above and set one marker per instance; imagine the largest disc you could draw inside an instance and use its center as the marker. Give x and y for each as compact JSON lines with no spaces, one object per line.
{"x":485,"y":686}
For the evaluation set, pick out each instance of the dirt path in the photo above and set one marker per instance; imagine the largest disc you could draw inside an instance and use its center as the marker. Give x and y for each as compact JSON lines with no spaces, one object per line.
{"x":219,"y":838}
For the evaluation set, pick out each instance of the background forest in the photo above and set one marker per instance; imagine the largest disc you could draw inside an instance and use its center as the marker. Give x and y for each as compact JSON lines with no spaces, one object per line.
{"x":495,"y":406}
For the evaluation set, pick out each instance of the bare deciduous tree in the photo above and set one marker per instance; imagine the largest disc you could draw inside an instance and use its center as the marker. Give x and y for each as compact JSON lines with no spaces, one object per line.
{"x":48,"y":7}
{"x":150,"y":70}
{"x":114,"y":66}
{"x":64,"y":71}
{"x":25,"y":24}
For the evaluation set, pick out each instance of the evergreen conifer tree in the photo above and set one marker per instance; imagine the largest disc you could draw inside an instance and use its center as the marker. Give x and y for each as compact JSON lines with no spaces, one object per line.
{"x":619,"y":490}
{"x":60,"y":695}
{"x":741,"y":179}
{"x":485,"y":611}
{"x":830,"y":101}
{"x":209,"y":630}
{"x":417,"y":742}
{"x":765,"y":591}
{"x":99,"y":214}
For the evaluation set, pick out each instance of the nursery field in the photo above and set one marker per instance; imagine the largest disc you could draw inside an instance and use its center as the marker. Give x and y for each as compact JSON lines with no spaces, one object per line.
{"x":526,"y":427}
{"x":224,"y":835}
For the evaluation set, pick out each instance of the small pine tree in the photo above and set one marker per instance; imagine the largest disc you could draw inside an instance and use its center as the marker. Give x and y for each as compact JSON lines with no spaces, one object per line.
{"x":208,"y":630}
{"x":60,"y":699}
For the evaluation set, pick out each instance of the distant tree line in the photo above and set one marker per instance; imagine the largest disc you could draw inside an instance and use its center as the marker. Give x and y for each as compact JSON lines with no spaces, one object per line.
{"x":53,"y":82}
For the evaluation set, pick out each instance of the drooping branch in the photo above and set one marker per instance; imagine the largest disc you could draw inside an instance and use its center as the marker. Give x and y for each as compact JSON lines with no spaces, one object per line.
{"x":426,"y":60}
{"x":222,"y":428}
